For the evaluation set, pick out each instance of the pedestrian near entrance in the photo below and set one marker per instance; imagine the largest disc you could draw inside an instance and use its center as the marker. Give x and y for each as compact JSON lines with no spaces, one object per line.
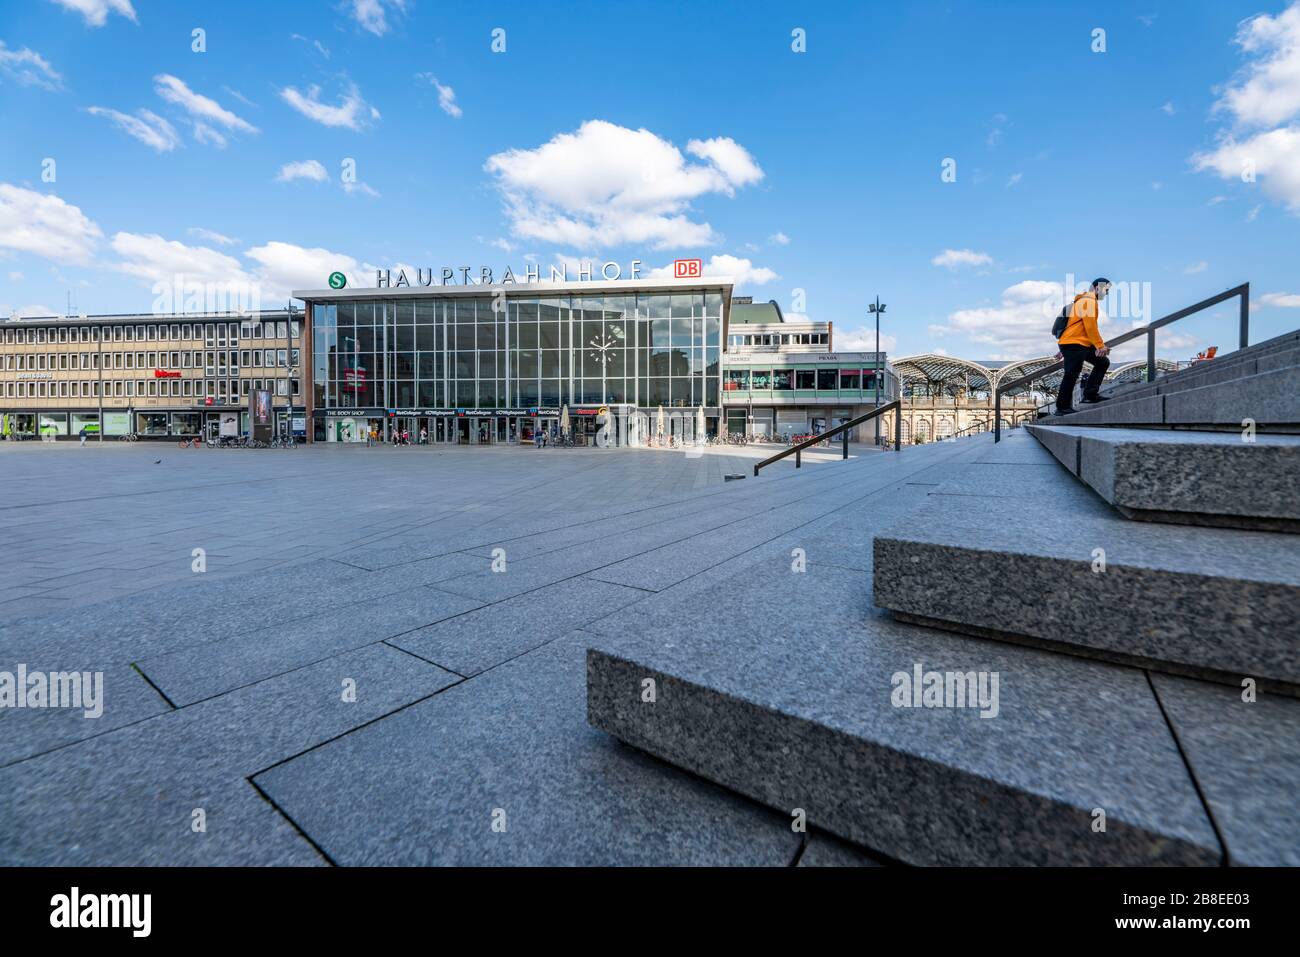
{"x":1080,"y":342}
{"x":537,"y":438}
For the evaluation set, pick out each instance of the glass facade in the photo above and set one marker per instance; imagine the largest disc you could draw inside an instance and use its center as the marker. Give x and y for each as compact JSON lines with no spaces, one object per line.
{"x":459,"y":352}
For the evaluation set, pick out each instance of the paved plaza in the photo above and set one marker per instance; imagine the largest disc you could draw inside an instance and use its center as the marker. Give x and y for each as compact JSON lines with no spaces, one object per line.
{"x":347,"y":630}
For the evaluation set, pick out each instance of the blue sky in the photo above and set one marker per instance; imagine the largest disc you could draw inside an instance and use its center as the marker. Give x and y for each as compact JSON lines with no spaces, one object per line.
{"x":655,"y":131}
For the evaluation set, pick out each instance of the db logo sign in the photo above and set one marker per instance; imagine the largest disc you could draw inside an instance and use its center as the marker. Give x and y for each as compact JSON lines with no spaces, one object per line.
{"x":688,"y":268}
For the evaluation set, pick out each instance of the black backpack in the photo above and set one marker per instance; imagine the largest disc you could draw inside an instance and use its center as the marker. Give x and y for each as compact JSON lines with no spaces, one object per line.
{"x":1063,"y":320}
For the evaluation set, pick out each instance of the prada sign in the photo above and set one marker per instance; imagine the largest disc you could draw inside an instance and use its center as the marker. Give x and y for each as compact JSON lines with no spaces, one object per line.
{"x":447,"y":276}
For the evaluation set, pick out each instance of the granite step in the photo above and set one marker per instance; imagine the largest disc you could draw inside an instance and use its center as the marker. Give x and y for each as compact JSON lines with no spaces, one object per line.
{"x":1270,"y":399}
{"x":1054,"y":566}
{"x":1190,"y":477}
{"x":1275,"y":353}
{"x":807,"y":713}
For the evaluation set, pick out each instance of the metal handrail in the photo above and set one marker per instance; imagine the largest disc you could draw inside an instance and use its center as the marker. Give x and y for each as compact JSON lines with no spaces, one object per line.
{"x":1149,"y":331}
{"x":843,"y":430}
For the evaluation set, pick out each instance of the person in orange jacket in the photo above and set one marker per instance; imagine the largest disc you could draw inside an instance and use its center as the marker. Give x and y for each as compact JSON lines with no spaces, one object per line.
{"x":1080,"y":343}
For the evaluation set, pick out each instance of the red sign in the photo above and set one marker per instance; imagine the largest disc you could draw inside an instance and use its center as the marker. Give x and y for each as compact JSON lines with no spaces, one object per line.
{"x":688,"y":268}
{"x":165,"y":374}
{"x":208,"y":400}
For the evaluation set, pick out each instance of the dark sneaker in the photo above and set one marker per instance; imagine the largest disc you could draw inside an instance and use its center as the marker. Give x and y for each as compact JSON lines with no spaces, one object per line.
{"x":1064,"y":411}
{"x":1093,"y":400}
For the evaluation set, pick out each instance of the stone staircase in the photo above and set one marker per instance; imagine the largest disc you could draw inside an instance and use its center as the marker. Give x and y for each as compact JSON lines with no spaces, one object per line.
{"x":1095,"y":664}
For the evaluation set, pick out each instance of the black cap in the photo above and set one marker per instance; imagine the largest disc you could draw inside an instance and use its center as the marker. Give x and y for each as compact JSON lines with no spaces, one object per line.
{"x":1099,"y":281}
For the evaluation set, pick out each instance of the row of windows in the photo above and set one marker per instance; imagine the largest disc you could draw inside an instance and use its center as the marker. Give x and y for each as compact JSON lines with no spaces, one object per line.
{"x":499,"y":393}
{"x":547,"y":308}
{"x":781,"y":380}
{"x":197,"y":388}
{"x":256,"y":358}
{"x":214,"y":333}
{"x":778,"y":339}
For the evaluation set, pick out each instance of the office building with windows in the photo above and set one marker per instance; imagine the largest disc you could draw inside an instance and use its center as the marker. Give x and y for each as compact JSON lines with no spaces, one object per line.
{"x":155,"y":376}
{"x":782,"y":377}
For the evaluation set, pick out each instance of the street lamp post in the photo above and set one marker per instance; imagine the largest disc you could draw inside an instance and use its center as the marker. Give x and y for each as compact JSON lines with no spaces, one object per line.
{"x":877,"y":309}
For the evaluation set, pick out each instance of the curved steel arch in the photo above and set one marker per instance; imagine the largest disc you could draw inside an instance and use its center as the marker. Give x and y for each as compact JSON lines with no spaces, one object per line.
{"x":1136,"y":371}
{"x":945,"y":372}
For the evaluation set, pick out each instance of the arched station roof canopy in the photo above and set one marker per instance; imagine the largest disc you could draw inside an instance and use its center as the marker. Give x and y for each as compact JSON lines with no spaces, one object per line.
{"x":948,"y":375}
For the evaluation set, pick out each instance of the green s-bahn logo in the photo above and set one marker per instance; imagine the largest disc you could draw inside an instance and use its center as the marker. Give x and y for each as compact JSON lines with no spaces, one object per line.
{"x":338,"y":280}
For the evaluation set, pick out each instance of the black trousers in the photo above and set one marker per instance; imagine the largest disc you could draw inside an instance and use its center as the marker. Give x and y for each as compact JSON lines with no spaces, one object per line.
{"x":1075,"y":357}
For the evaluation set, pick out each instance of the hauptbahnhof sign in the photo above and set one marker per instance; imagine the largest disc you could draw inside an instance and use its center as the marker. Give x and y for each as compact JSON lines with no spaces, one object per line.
{"x":484,"y":276}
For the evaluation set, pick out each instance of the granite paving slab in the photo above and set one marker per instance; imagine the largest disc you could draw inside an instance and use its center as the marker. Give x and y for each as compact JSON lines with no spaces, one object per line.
{"x":425,"y":786}
{"x":128,"y":797}
{"x":470,"y":643}
{"x":1246,"y":759}
{"x":205,"y":669}
{"x":114,"y":695}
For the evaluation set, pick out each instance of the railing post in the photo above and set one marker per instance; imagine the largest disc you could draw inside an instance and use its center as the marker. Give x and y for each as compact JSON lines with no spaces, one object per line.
{"x":997,"y":416}
{"x":1245,"y":317}
{"x":1151,"y":355}
{"x":797,"y":456}
{"x":898,"y":426}
{"x":844,"y":436}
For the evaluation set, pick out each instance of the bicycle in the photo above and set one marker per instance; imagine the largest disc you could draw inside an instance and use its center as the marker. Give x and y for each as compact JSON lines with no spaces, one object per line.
{"x":193,"y":442}
{"x":129,"y":437}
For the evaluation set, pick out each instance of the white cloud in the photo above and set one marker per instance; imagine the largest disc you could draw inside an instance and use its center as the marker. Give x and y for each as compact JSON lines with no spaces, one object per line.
{"x":953,"y":258}
{"x":503,"y":244}
{"x":1284,"y":300}
{"x":1265,"y":94}
{"x":146,"y":126}
{"x":284,"y":267}
{"x":95,"y":12}
{"x":741,"y":270}
{"x":273,"y":269}
{"x":1020,"y":325}
{"x":320,"y":47}
{"x":446,"y":95}
{"x":606,"y":185}
{"x":154,"y":259}
{"x":728,"y":157}
{"x":1168,"y":108}
{"x":205,"y":113}
{"x":356,"y":186}
{"x":15,"y":276}
{"x":213,"y":237}
{"x":1274,"y":156}
{"x":1216,"y":200}
{"x":1269,"y":90}
{"x":29,"y":68}
{"x":33,"y":311}
{"x":1015,"y":178}
{"x":302,"y":169}
{"x":779,"y":239}
{"x":352,"y":111}
{"x":863,"y":339}
{"x":45,"y":225}
{"x":1196,"y":267}
{"x":372,"y":14}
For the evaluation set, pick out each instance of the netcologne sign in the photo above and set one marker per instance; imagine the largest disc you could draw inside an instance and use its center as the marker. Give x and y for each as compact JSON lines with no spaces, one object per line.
{"x":586,"y":271}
